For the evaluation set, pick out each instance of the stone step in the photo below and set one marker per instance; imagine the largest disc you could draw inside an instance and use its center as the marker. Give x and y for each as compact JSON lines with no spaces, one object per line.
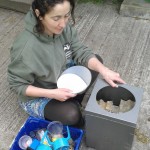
{"x":136,"y":8}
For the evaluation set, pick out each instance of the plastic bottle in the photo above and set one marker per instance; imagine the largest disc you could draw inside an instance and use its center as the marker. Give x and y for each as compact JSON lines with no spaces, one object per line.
{"x":25,"y":141}
{"x":39,"y":136}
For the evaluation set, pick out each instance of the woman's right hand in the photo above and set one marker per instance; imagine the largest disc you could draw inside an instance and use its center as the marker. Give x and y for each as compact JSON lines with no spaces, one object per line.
{"x":62,"y":94}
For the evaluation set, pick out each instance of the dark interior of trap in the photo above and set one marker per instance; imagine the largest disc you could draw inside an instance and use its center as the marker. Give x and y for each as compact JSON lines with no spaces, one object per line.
{"x":119,"y":97}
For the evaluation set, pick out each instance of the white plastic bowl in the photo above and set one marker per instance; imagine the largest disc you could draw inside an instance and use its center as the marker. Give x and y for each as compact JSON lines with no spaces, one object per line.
{"x":76,"y":78}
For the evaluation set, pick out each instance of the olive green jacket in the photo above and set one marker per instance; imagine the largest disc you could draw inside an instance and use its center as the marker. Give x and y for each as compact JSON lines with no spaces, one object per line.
{"x":39,"y":60}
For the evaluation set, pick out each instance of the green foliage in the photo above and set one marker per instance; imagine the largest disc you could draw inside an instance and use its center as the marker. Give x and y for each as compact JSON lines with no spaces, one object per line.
{"x":100,"y":1}
{"x":93,"y":1}
{"x":117,"y":1}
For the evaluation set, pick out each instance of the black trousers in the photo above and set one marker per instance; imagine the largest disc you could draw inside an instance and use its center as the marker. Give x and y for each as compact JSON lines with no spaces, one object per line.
{"x":68,"y":112}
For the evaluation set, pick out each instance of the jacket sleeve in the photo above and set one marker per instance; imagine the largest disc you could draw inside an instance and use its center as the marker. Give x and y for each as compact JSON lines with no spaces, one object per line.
{"x":81,"y":54}
{"x":20,"y":76}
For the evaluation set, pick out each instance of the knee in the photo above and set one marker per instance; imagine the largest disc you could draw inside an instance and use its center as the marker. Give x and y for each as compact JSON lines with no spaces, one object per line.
{"x":67,"y":112}
{"x":73,"y":117}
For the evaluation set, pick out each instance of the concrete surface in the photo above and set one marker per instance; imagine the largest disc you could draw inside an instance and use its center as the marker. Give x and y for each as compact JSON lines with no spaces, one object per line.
{"x":136,"y":8}
{"x":123,"y":43}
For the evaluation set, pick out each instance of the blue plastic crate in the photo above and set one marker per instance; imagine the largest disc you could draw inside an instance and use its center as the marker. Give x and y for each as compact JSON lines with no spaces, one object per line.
{"x":33,"y":124}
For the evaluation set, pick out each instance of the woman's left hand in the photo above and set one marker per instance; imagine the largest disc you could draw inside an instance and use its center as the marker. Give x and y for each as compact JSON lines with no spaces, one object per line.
{"x":112,"y":77}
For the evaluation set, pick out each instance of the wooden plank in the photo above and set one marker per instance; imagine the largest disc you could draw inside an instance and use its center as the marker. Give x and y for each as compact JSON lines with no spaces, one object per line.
{"x":15,"y":5}
{"x":123,"y":43}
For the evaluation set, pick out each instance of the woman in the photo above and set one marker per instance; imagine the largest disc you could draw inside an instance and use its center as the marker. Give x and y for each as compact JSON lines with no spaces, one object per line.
{"x":46,"y":47}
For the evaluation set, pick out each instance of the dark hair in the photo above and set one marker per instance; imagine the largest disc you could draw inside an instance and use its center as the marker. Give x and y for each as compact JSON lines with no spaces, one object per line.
{"x":44,"y":6}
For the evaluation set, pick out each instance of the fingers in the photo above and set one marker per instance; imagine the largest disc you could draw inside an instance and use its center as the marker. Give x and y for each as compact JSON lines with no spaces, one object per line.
{"x":116,"y":78}
{"x":112,"y":83}
{"x":62,"y":94}
{"x":66,"y":98}
{"x":69,"y":93}
{"x":66,"y":90}
{"x":63,"y":99}
{"x":66,"y":94}
{"x":119,"y":79}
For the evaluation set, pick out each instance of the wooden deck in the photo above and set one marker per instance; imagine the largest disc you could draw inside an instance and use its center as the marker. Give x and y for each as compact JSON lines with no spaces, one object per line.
{"x":123,"y":43}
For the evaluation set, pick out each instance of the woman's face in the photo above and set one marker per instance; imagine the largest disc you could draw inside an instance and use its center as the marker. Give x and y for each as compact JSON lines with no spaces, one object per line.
{"x":55,"y":21}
